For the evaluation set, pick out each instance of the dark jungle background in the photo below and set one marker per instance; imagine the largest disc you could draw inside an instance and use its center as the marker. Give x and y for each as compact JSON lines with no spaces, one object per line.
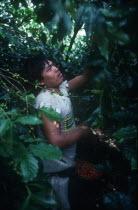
{"x":73,"y":34}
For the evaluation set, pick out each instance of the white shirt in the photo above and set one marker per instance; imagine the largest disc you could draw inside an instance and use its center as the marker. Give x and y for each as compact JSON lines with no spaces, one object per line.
{"x":62,"y":105}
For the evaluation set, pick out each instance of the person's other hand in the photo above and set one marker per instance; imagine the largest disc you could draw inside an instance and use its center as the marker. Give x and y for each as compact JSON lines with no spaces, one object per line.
{"x":99,"y":133}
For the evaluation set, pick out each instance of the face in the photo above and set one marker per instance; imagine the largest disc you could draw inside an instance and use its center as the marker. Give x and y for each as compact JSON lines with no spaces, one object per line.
{"x":52,"y":77}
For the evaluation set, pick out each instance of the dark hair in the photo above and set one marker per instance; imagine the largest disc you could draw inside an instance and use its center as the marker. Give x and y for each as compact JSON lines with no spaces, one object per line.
{"x":34,"y":67}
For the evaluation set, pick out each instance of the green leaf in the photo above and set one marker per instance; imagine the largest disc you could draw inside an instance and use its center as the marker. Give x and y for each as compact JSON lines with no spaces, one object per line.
{"x":3,"y":152}
{"x":2,"y":112}
{"x":29,"y":120}
{"x":134,"y":163}
{"x":79,"y":14}
{"x":64,"y":26}
{"x":47,"y":151}
{"x":9,"y":138}
{"x":4,"y":126}
{"x":6,"y":148}
{"x":121,"y":37}
{"x":29,"y":167}
{"x":14,"y":111}
{"x":89,"y":19}
{"x":51,"y":114}
{"x":98,"y":122}
{"x":117,"y":35}
{"x":104,"y":47}
{"x":114,"y":13}
{"x":129,"y":132}
{"x":29,"y":98}
{"x":96,"y":91}
{"x":44,"y":201}
{"x":26,"y":202}
{"x":131,"y":155}
{"x":120,"y":141}
{"x":34,"y":140}
{"x":19,"y":152}
{"x":28,"y":138}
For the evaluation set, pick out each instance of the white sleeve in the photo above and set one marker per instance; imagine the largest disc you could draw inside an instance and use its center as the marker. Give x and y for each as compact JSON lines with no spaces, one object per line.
{"x":64,"y":87}
{"x":42,"y":101}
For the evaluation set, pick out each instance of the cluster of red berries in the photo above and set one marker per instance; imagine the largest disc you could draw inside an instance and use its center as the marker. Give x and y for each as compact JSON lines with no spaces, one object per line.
{"x":86,"y":170}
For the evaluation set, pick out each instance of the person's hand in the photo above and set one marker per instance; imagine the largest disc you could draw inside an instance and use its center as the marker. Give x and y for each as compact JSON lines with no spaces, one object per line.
{"x":95,"y":136}
{"x":89,"y":136}
{"x":99,"y":133}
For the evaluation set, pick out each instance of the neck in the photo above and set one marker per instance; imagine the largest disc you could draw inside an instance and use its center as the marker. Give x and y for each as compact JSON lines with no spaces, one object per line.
{"x":56,"y":90}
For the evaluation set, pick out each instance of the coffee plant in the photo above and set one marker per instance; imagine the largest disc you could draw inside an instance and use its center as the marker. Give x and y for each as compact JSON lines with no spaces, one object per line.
{"x":73,"y":34}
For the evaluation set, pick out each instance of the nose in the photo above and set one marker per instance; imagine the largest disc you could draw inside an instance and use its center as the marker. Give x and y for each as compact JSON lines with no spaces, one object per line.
{"x":56,"y":69}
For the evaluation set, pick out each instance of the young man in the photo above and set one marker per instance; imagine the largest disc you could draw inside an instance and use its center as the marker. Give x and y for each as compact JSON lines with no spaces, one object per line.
{"x":63,"y":134}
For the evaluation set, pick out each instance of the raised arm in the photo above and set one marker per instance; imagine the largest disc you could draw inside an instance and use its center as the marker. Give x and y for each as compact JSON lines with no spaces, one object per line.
{"x":52,"y":133}
{"x":80,"y":80}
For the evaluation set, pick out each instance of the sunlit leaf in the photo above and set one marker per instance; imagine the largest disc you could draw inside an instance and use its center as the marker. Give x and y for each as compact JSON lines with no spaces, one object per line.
{"x":96,"y":91}
{"x":51,"y":114}
{"x":29,"y":98}
{"x":29,"y":120}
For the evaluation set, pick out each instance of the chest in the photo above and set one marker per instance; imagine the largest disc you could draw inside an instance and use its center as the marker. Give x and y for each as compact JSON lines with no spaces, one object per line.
{"x":63,"y":103}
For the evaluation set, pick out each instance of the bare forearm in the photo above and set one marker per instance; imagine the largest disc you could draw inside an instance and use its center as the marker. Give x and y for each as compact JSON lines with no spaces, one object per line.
{"x":53,"y":133}
{"x":80,"y":80}
{"x":66,"y":139}
{"x":77,"y":82}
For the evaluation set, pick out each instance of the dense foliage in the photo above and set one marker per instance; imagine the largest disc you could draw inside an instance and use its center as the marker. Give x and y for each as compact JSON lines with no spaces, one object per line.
{"x":73,"y":34}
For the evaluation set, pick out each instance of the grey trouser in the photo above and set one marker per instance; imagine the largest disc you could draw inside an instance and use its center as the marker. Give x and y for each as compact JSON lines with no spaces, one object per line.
{"x":60,"y":191}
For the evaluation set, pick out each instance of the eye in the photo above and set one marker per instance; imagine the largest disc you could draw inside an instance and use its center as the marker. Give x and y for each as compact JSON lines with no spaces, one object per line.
{"x":49,"y":67}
